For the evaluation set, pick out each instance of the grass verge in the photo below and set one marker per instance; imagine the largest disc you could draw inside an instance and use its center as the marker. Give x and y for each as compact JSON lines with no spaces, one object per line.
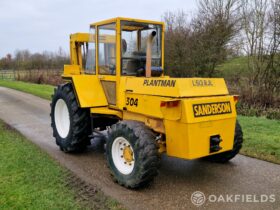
{"x":261,"y":138}
{"x":43,"y":91}
{"x":30,"y":179}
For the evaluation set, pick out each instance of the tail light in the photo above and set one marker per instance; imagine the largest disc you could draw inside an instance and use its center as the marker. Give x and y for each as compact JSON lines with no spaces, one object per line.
{"x":169,"y":104}
{"x":235,"y":98}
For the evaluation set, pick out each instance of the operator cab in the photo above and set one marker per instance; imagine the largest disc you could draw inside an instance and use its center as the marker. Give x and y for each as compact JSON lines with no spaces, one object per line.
{"x":126,"y":47}
{"x":116,"y":49}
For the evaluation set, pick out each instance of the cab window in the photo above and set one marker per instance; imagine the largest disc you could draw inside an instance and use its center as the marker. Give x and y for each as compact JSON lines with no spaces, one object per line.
{"x":107,"y":49}
{"x":134,"y":45}
{"x":90,"y":54}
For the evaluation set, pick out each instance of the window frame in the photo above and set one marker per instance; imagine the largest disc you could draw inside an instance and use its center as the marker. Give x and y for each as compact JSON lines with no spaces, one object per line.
{"x":97,"y":46}
{"x":161,"y":43}
{"x":90,"y":41}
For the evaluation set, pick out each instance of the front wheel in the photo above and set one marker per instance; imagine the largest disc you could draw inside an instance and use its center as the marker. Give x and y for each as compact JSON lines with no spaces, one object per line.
{"x":70,"y":123}
{"x":132,"y":154}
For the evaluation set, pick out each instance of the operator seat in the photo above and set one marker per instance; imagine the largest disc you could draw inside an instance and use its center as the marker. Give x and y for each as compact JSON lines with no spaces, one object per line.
{"x":138,"y":61}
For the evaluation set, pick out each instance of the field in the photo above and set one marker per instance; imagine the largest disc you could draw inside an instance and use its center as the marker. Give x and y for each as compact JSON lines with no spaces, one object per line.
{"x":261,"y":135}
{"x":43,"y":91}
{"x":7,"y":75}
{"x":234,"y":67}
{"x":30,"y":179}
{"x":261,"y":138}
{"x":38,"y":76}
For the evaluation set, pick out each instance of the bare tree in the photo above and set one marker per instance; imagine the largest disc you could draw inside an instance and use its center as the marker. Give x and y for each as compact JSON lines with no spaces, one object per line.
{"x":215,"y":28}
{"x":195,"y":47}
{"x":260,"y":21}
{"x":177,"y":44}
{"x":272,"y":77}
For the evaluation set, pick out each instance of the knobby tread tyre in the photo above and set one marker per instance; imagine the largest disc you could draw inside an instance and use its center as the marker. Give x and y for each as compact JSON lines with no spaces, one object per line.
{"x":77,"y":138}
{"x":237,"y":145}
{"x":142,"y":140}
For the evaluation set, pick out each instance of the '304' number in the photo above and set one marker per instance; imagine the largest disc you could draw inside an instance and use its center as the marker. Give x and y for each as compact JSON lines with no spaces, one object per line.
{"x":131,"y":101}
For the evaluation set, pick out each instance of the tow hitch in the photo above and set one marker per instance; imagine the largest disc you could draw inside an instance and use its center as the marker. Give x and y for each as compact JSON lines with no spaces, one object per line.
{"x":214,"y":143}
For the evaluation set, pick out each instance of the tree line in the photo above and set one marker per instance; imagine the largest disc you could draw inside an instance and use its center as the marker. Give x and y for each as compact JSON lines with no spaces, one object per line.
{"x":25,"y":60}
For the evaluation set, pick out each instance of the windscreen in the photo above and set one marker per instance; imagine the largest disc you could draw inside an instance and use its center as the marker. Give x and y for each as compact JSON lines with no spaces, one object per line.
{"x":134,"y":36}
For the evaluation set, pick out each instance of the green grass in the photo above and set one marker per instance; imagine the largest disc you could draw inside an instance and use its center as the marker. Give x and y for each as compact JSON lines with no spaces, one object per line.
{"x":261,"y":138}
{"x":43,"y":91}
{"x":29,"y":178}
{"x":234,"y":67}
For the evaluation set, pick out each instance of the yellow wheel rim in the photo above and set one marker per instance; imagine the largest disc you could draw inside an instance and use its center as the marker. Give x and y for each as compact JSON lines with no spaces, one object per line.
{"x":128,"y":154}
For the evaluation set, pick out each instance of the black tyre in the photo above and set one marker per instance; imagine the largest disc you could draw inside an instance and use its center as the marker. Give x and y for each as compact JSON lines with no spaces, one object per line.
{"x":70,"y":123}
{"x":132,"y":154}
{"x":226,"y":156}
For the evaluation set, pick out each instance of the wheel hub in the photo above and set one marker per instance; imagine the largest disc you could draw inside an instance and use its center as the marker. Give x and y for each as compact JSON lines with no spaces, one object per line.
{"x":123,"y":155}
{"x":127,"y":154}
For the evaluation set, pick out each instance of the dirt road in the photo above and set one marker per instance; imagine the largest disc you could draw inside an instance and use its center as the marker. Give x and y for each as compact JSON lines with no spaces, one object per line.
{"x":178,"y":179}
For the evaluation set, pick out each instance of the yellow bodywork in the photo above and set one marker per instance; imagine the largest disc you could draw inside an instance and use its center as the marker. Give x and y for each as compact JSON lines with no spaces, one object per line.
{"x":187,"y":111}
{"x":83,"y":89}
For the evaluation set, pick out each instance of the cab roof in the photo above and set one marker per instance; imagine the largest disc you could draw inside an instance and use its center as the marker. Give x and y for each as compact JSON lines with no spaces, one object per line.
{"x":126,"y":19}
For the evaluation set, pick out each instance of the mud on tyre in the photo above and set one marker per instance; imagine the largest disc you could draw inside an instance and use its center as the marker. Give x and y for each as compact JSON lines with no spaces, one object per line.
{"x":70,"y":123}
{"x":132,"y":154}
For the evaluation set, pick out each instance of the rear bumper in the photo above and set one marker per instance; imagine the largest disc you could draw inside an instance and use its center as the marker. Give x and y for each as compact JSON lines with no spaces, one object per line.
{"x":188,"y":134}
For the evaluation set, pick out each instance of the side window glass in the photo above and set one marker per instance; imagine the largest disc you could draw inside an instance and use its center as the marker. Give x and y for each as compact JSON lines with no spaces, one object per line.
{"x":90,"y":59}
{"x":107,"y":49}
{"x":90,"y":54}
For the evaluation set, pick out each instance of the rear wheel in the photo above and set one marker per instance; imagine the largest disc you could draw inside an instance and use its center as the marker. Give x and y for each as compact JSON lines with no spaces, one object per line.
{"x":226,"y":156}
{"x":70,"y":123}
{"x":132,"y":154}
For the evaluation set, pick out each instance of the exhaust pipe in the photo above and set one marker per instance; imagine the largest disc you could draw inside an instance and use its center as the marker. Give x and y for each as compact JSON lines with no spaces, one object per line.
{"x":149,"y":53}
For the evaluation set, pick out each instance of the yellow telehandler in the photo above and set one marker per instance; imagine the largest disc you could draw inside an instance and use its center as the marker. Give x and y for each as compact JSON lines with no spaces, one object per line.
{"x":115,"y":87}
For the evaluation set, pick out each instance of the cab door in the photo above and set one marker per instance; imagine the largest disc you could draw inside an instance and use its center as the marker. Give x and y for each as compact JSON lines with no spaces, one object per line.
{"x":107,"y":60}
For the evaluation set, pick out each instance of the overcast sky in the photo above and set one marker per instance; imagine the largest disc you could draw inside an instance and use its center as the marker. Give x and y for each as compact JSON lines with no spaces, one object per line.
{"x":40,"y":25}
